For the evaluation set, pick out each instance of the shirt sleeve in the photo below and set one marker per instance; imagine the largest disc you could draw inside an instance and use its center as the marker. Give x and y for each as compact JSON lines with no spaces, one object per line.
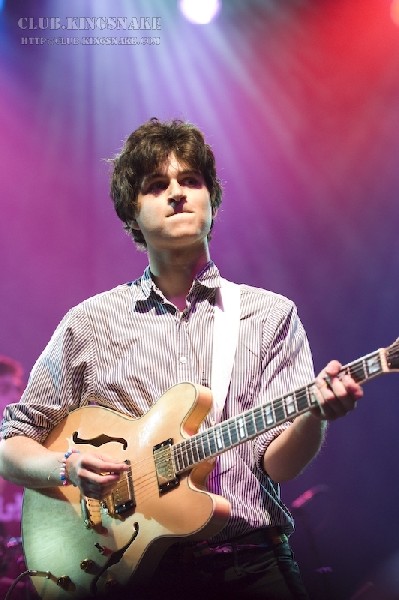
{"x":287,"y":365}
{"x":61,"y":380}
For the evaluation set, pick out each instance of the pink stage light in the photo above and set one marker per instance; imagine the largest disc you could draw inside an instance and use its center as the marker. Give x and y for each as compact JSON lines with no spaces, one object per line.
{"x":395,"y":11}
{"x":200,"y":12}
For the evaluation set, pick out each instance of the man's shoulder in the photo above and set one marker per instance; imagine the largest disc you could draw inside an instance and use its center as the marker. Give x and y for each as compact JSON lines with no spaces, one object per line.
{"x":114,"y":294}
{"x":113,"y":299}
{"x":265,"y":297}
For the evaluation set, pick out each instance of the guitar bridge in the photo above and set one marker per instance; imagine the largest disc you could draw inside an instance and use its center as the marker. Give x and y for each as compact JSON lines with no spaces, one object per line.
{"x":164,"y":466}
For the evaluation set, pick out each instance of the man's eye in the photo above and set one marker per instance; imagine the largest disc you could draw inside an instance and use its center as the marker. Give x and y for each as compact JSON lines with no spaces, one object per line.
{"x":192,"y":181}
{"x":155,"y":186}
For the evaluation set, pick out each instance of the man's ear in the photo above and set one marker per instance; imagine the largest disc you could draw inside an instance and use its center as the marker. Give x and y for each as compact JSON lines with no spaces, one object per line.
{"x":133,"y":224}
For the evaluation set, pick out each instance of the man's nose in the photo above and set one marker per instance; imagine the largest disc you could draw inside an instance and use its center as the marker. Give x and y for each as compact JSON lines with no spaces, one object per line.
{"x":176,"y":190}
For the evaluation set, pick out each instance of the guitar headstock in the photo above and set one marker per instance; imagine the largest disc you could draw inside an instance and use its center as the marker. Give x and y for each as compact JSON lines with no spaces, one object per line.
{"x":392,"y":356}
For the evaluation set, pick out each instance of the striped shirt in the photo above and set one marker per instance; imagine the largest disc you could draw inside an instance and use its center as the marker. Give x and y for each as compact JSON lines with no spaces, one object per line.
{"x":127,"y":346}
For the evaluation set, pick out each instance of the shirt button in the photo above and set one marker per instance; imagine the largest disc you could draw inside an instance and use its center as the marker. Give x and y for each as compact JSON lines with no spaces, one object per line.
{"x":183,"y":359}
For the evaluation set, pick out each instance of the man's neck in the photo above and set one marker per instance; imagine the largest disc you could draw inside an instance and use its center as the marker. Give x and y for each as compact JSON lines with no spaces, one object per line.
{"x":175,"y":271}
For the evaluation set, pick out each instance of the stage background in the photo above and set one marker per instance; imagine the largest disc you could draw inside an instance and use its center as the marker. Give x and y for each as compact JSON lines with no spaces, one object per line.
{"x":299,"y":100}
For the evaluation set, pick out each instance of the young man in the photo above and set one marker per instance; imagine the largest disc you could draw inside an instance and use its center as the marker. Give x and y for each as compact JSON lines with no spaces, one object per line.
{"x":126,"y":347}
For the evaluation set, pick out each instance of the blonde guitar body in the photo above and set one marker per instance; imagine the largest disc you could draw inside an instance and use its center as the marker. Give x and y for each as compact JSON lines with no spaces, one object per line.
{"x":73,"y":541}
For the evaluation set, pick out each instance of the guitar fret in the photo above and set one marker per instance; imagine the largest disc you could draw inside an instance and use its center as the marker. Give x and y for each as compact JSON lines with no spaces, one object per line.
{"x":181,"y":457}
{"x":365,"y":368}
{"x":187,"y":462}
{"x":312,"y":396}
{"x":258,"y":419}
{"x":234,"y":435}
{"x":200,"y":447}
{"x":269,"y":414}
{"x":205,"y":445}
{"x":302,"y":399}
{"x":212,"y":444}
{"x":241,"y":429}
{"x":195,"y":453}
{"x":219,"y":437}
{"x":178,"y":458}
{"x":373,"y":365}
{"x":289,"y":404}
{"x":279,"y":411}
{"x":250,"y":423}
{"x":184,"y":461}
{"x":190,"y":453}
{"x":357,"y":371}
{"x":226,"y":436}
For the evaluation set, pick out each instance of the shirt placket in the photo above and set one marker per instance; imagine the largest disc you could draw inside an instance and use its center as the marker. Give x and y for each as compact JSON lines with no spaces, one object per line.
{"x":183,"y":358}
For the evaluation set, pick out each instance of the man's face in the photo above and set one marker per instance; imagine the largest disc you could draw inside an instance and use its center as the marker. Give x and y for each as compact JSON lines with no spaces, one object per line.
{"x":11,"y":387}
{"x":173,"y":208}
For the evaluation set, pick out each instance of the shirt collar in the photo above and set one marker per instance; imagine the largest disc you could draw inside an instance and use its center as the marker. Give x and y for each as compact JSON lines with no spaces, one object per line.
{"x":208,"y":277}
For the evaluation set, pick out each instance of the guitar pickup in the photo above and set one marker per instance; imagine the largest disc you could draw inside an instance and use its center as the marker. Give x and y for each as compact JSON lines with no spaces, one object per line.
{"x":121,"y":499}
{"x":164,"y":466}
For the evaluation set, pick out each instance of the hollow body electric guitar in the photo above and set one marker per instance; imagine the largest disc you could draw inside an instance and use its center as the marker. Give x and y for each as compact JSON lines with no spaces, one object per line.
{"x":78,"y":547}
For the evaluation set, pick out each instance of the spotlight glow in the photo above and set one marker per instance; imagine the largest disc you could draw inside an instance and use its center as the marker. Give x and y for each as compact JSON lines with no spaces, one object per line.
{"x":200,"y":12}
{"x":395,"y":11}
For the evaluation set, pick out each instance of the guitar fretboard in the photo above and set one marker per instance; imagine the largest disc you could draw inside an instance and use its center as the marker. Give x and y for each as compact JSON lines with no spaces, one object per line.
{"x":257,"y":420}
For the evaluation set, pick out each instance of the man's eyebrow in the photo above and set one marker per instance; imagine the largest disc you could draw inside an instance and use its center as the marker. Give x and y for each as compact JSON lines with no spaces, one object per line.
{"x":190,"y":172}
{"x":153,"y":175}
{"x":160,"y":175}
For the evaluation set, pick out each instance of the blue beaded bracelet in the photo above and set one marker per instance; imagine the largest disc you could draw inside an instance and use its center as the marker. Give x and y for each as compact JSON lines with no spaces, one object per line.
{"x":63,"y":474}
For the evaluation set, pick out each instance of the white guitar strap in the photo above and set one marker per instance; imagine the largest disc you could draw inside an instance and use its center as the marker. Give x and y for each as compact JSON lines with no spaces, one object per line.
{"x":225,"y":339}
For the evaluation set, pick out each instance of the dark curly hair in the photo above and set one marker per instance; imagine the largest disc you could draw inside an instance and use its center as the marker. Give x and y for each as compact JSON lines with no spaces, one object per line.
{"x":148,"y":148}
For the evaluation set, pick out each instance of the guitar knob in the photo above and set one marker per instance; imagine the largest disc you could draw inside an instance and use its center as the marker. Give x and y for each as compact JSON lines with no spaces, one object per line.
{"x":64,"y":582}
{"x":87,"y":565}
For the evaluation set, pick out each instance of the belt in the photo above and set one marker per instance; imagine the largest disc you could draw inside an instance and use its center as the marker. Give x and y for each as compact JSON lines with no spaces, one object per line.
{"x":266,"y":539}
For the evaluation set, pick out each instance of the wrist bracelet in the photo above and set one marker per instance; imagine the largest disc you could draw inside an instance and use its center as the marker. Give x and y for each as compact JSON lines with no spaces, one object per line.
{"x":63,"y":471}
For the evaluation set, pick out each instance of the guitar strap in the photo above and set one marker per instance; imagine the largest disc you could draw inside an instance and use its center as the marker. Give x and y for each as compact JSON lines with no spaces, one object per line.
{"x":225,"y":339}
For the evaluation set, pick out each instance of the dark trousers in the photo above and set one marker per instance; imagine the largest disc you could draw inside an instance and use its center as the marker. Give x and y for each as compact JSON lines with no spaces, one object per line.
{"x":247,"y":573}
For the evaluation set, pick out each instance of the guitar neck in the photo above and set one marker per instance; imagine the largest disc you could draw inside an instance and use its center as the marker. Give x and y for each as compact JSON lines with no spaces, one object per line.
{"x":221,"y":437}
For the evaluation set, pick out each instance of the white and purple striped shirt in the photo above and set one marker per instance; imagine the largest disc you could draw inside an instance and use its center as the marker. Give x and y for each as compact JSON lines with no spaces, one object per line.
{"x":127,"y":346}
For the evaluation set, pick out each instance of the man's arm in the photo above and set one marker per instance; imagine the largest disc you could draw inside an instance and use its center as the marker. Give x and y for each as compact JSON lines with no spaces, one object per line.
{"x":291,"y":451}
{"x":29,"y":464}
{"x":25,"y":462}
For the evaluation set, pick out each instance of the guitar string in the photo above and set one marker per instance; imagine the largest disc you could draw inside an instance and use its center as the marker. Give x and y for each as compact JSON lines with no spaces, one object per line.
{"x":195,"y":444}
{"x":192,"y":445}
{"x":144,"y":483}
